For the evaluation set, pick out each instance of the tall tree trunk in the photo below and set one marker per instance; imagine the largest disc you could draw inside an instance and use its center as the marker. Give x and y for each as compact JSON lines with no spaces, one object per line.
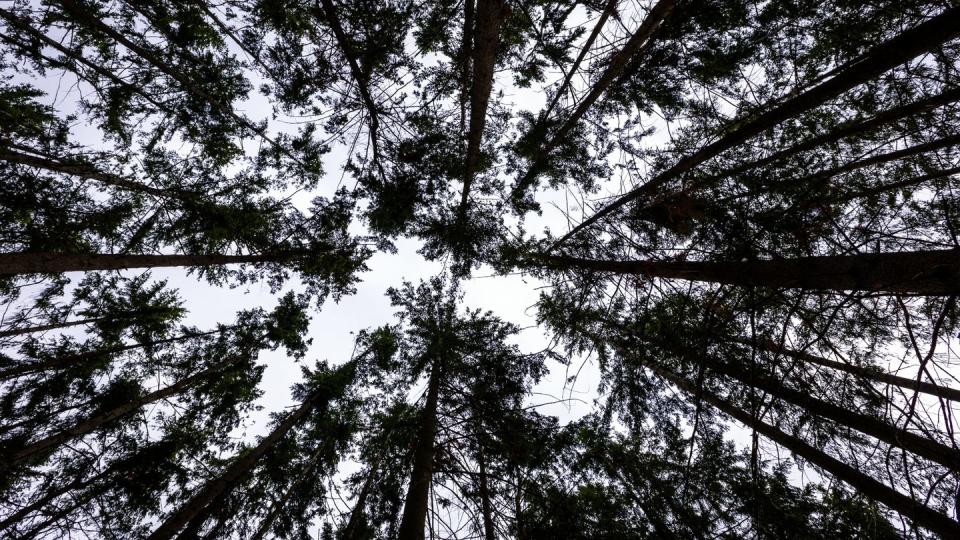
{"x":562,"y":89}
{"x":85,"y":170}
{"x":489,"y":531}
{"x":916,"y":41}
{"x":55,"y":263}
{"x":352,"y":530}
{"x":63,"y":362}
{"x":914,"y":272}
{"x":52,"y":326}
{"x":848,"y":129}
{"x":490,"y":15}
{"x":635,"y":47}
{"x":62,"y":513}
{"x":466,"y":54}
{"x":329,"y":12}
{"x":241,"y":467}
{"x":865,"y":373}
{"x":843,"y":197}
{"x":91,"y":424}
{"x":417,"y":502}
{"x":869,"y":425}
{"x":919,"y":513}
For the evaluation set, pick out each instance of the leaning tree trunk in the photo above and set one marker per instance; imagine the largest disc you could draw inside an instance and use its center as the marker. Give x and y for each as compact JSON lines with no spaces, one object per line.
{"x":914,"y":272}
{"x":912,"y":385}
{"x":241,"y":467}
{"x":72,"y":360}
{"x":51,"y":326}
{"x":417,"y":502}
{"x":920,"y":514}
{"x":869,"y":425}
{"x":91,"y":424}
{"x":55,"y":263}
{"x":851,"y":128}
{"x":636,"y":46}
{"x":490,"y":15}
{"x":352,"y":530}
{"x":918,"y":40}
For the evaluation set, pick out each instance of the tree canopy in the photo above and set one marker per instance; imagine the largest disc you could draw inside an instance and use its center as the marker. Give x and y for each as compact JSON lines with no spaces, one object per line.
{"x":741,"y":215}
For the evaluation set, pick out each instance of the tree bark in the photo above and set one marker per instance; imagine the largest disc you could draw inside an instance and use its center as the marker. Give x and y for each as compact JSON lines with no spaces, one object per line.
{"x":416,"y":504}
{"x":55,"y":263}
{"x":91,"y":424}
{"x":919,"y":513}
{"x":928,"y":273}
{"x":490,"y":15}
{"x":241,"y":467}
{"x":885,"y":56}
{"x":635,"y":47}
{"x":952,"y":394}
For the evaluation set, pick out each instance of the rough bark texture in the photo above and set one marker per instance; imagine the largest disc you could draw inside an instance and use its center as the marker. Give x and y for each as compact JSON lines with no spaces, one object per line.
{"x":919,"y":513}
{"x":417,"y":502}
{"x":915,"y":272}
{"x":890,"y":54}
{"x":55,"y":263}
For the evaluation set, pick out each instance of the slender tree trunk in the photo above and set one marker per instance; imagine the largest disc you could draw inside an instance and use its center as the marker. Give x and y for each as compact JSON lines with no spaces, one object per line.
{"x":489,"y":531}
{"x":635,"y":47}
{"x":919,"y":513}
{"x":64,"y":512}
{"x":52,"y":326}
{"x":869,"y":425}
{"x":23,"y":512}
{"x":490,"y":15}
{"x":562,"y":89}
{"x":417,"y":502}
{"x":466,"y":53}
{"x":55,"y":263}
{"x":952,"y":394}
{"x":63,"y":362}
{"x":851,"y":128}
{"x":916,"y":41}
{"x":93,"y":423}
{"x":885,"y":188}
{"x":915,"y":272}
{"x":241,"y":467}
{"x":84,"y":170}
{"x":352,"y":530}
{"x":329,"y":12}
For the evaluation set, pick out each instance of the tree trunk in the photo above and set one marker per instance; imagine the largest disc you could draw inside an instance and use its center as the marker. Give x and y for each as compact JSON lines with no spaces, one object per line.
{"x":869,"y":425}
{"x":489,"y":531}
{"x":55,"y":263}
{"x":919,"y":513}
{"x":602,"y":20}
{"x":490,"y":15}
{"x":91,"y":424}
{"x":884,"y":188}
{"x":64,"y":362}
{"x":51,"y":326}
{"x":952,"y":394}
{"x":241,"y":467}
{"x":885,"y":56}
{"x":84,"y":170}
{"x":851,"y":128}
{"x":352,"y":530}
{"x":929,"y":273}
{"x":417,"y":502}
{"x":330,"y":14}
{"x":635,"y":47}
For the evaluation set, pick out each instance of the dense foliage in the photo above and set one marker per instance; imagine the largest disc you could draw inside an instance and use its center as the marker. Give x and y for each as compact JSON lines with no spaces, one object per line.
{"x":747,"y":219}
